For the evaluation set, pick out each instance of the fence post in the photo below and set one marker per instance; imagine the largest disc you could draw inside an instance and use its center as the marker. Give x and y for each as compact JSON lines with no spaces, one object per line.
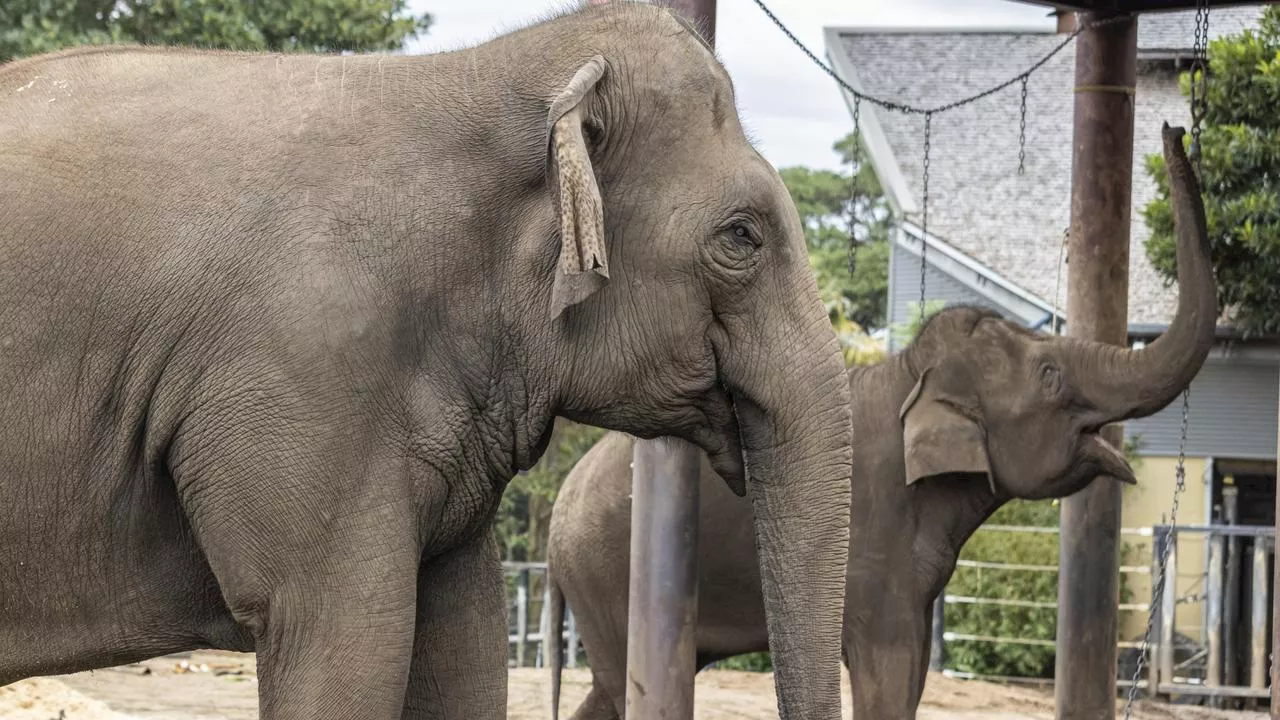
{"x":544,"y":622}
{"x":522,"y":616}
{"x":937,"y":652}
{"x":1259,"y":607}
{"x":1214,"y":596}
{"x":572,"y":651}
{"x":1231,"y":591}
{"x":1156,"y":644}
{"x":1169,"y":608}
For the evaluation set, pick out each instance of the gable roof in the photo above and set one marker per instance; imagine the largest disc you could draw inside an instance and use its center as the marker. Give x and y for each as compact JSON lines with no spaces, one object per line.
{"x":978,"y":203}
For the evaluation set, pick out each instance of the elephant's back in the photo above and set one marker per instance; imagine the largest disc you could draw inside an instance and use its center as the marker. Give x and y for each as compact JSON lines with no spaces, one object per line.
{"x":594,"y":501}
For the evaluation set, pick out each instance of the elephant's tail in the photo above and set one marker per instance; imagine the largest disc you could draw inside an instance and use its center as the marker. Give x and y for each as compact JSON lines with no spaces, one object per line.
{"x":555,"y":625}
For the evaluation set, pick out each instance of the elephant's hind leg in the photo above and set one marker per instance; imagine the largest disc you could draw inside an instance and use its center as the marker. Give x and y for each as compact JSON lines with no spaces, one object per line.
{"x":598,"y":705}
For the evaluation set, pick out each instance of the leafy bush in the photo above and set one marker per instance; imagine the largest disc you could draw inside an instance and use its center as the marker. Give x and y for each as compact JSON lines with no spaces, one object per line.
{"x":1004,"y":621}
{"x":523,"y":517}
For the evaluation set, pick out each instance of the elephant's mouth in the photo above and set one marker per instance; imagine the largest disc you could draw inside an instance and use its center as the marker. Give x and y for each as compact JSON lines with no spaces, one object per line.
{"x":1113,"y":461}
{"x":722,"y":440}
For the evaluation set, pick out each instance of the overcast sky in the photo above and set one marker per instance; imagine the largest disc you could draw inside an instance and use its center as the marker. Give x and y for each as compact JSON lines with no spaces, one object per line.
{"x":788,"y":105}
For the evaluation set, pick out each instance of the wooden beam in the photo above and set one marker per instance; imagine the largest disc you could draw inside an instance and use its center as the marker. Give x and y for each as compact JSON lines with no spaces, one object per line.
{"x":1097,"y":303}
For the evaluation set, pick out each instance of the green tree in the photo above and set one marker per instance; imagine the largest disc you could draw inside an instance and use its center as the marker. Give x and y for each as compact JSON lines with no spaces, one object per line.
{"x":834,"y":206}
{"x":1240,"y":151}
{"x":29,"y":27}
{"x":525,"y":511}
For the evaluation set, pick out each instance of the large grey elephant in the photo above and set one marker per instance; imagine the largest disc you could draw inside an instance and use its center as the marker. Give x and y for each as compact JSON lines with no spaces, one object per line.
{"x":276,"y":330}
{"x":977,"y":410}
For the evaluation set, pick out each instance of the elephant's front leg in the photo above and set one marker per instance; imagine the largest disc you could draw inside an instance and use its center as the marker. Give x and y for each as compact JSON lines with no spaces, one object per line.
{"x":459,"y":665}
{"x":888,"y":652}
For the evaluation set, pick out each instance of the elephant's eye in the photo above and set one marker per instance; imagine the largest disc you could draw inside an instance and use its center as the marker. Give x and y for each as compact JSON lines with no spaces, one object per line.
{"x":742,"y":234}
{"x":1050,"y":380}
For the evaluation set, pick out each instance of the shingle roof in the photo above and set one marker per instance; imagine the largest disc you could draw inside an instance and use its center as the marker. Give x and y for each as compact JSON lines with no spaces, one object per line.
{"x":1174,"y":31}
{"x":978,"y":203}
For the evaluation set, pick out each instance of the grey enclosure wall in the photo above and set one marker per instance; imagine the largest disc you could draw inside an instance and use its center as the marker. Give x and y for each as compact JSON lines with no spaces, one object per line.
{"x":1233,"y":414}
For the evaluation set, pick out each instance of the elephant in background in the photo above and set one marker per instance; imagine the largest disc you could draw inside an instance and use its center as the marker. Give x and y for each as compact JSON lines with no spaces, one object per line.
{"x":276,"y":331}
{"x":976,"y":411}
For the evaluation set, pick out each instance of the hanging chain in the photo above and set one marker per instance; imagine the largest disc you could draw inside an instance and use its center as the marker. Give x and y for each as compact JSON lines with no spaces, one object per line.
{"x":1199,"y":83}
{"x":855,"y":165}
{"x":924,"y":224}
{"x":1022,"y":128}
{"x":1057,"y":285}
{"x":1199,"y":101}
{"x":1157,"y":593}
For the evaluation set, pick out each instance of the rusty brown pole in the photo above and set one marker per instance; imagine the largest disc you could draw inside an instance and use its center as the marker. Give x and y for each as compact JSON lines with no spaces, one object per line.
{"x":1097,"y":309}
{"x":663,"y":607}
{"x":1275,"y":600}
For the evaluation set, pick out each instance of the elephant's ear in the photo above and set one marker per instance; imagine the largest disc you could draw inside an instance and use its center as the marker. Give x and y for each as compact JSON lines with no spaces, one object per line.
{"x":584,"y":263}
{"x":938,"y":439}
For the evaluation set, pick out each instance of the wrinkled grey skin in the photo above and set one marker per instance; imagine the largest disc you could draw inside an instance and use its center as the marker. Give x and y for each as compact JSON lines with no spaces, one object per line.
{"x":976,"y":411}
{"x":276,"y":330}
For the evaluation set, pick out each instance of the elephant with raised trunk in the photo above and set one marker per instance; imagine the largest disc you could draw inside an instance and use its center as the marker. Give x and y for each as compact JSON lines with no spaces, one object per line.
{"x":276,"y":331}
{"x":977,"y":410}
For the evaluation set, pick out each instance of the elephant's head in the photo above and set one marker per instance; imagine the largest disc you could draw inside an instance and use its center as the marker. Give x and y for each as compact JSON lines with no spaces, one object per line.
{"x":1024,"y":409}
{"x":684,"y":290}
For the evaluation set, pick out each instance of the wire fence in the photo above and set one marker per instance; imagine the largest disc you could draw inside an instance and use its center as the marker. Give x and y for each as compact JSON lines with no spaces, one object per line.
{"x":529,"y":616}
{"x":1223,"y":651}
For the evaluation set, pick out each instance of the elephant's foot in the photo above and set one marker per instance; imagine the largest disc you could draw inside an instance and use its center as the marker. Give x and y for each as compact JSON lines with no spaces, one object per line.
{"x":597,"y":706}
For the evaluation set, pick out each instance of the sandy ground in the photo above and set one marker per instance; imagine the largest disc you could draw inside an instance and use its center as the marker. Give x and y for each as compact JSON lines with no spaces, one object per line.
{"x":223,"y":686}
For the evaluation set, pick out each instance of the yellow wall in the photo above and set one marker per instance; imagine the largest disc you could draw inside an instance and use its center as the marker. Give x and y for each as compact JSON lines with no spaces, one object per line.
{"x":1144,"y":505}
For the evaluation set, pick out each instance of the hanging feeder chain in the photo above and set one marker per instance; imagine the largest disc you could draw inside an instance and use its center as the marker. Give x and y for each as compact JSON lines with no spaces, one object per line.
{"x":928,"y":113}
{"x":855,"y":163}
{"x":913,"y":110}
{"x":1022,"y":127}
{"x":1180,"y":476}
{"x":1199,"y":83}
{"x":924,"y":223}
{"x":1199,"y":101}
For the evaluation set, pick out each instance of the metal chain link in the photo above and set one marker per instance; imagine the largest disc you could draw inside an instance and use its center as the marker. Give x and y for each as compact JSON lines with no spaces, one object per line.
{"x":1199,"y":84}
{"x":1057,"y":284}
{"x":913,"y":110}
{"x":924,"y":224}
{"x":1157,"y":593}
{"x":1022,"y":128}
{"x":855,"y":165}
{"x":1199,"y":87}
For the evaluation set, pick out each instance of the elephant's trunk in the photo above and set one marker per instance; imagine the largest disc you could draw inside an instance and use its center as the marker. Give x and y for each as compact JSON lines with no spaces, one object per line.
{"x":1127,"y":383}
{"x":797,"y":444}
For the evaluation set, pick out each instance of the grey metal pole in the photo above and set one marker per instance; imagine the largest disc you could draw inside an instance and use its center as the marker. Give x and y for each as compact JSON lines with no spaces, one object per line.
{"x":1231,"y":592}
{"x":1097,"y":298}
{"x":1158,"y":540}
{"x":1259,"y":605}
{"x":663,"y":612}
{"x":1168,"y":611}
{"x":522,"y":617}
{"x":661,"y":647}
{"x":937,"y":652}
{"x":1214,"y":596}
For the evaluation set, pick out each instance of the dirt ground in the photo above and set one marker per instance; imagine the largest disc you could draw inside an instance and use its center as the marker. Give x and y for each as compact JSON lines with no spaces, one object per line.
{"x":223,"y":686}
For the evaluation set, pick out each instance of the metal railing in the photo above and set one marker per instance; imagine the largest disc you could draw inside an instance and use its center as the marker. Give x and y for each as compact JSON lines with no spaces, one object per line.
{"x":1213,"y":670}
{"x":523,"y":579}
{"x":1210,"y":669}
